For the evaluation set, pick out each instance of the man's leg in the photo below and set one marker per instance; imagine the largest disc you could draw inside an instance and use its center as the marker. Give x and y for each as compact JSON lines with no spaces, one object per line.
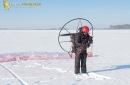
{"x":83,"y":63}
{"x":77,"y":63}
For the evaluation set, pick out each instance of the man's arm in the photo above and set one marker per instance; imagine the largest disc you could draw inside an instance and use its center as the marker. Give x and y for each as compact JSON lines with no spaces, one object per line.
{"x":90,"y":41}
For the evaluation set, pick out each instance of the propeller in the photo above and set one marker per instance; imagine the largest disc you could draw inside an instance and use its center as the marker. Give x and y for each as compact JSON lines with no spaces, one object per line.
{"x":68,"y":34}
{"x":64,"y":41}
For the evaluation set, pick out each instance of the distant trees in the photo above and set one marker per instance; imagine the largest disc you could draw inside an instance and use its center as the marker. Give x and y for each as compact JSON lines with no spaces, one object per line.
{"x":3,"y":28}
{"x":125,"y":26}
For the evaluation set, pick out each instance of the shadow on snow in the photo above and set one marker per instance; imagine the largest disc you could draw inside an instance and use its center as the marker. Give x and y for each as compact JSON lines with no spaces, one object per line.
{"x":119,"y":67}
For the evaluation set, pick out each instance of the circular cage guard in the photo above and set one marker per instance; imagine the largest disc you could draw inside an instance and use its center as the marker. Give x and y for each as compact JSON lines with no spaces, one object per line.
{"x":69,"y":32}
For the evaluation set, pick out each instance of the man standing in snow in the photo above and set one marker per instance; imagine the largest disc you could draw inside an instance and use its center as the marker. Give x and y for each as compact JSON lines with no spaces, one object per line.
{"x":82,"y":41}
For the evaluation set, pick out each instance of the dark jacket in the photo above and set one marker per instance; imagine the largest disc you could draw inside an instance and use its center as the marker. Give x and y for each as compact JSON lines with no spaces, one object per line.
{"x":82,"y":41}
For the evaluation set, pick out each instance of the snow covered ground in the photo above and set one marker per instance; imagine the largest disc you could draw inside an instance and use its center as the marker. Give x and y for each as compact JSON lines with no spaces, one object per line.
{"x":34,"y":57}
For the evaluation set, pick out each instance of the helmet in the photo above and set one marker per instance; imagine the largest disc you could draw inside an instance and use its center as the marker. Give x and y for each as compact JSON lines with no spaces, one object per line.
{"x":85,"y":29}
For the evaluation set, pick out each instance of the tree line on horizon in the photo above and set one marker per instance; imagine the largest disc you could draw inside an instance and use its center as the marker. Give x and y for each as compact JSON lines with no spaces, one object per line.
{"x":124,"y":26}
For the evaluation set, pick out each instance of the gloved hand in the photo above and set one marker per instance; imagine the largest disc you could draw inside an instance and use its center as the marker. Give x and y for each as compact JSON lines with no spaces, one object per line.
{"x":88,"y":45}
{"x":90,"y":39}
{"x":82,"y":48}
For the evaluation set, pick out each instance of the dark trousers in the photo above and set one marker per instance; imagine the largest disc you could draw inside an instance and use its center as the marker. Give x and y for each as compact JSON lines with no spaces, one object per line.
{"x":80,"y":59}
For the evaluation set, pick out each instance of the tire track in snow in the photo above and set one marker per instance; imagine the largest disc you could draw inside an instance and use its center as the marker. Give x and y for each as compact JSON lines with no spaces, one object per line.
{"x":15,"y":75}
{"x":95,"y":76}
{"x":91,"y":75}
{"x":54,"y":68}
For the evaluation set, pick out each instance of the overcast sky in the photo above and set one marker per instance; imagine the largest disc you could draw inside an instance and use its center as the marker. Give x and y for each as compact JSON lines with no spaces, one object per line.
{"x":55,"y":13}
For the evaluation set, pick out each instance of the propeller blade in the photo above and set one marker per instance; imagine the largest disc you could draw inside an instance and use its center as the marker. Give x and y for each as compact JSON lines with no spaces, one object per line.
{"x":64,"y":41}
{"x":67,"y":34}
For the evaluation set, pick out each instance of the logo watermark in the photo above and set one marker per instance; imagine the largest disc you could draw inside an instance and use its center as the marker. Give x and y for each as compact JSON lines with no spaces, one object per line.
{"x":8,"y":5}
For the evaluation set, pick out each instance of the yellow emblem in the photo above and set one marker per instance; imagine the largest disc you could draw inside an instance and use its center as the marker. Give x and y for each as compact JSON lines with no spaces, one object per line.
{"x":6,"y":5}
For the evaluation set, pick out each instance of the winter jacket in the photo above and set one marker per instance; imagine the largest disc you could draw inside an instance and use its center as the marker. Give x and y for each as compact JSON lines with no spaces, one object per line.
{"x":82,"y":41}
